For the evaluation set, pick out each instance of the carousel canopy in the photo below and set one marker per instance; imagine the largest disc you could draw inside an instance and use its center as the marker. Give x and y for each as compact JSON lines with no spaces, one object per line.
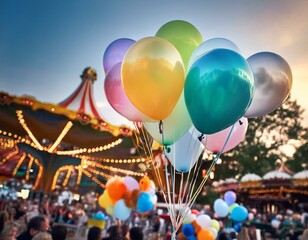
{"x":301,"y":175}
{"x":250,"y":177}
{"x":276,"y":175}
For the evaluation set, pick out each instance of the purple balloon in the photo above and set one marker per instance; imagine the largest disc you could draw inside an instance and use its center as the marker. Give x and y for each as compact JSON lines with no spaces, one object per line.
{"x":117,"y":98}
{"x":230,"y":197}
{"x":115,"y":52}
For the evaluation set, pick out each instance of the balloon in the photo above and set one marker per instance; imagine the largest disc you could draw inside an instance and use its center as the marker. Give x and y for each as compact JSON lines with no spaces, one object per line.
{"x":153,"y":76}
{"x":210,"y":45}
{"x":215,"y":224}
{"x":185,"y":152}
{"x":183,"y":35}
{"x":145,"y":184}
{"x":221,"y":207}
{"x":117,"y":98}
{"x":110,"y":211}
{"x":239,"y":214}
{"x":218,"y":90}
{"x":116,"y":189}
{"x":275,"y":223}
{"x":214,"y":231}
{"x":204,"y":221}
{"x":115,"y":52}
{"x":174,"y":126}
{"x":130,"y":183}
{"x":104,"y":200}
{"x":237,"y":227}
{"x":144,"y":202}
{"x":215,"y":142}
{"x":230,"y":197}
{"x":188,"y":230}
{"x":205,"y":234}
{"x":121,"y":211}
{"x":273,"y":83}
{"x":232,"y":206}
{"x":99,"y":216}
{"x":134,"y":197}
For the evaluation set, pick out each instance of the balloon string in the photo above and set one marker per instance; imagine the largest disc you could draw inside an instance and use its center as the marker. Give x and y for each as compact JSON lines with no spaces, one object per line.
{"x":210,"y":168}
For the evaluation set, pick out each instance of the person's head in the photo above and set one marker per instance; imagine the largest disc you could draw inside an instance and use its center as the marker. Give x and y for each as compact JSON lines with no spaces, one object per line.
{"x":9,"y":231}
{"x":94,"y":233}
{"x":135,"y":233}
{"x":115,"y":232}
{"x":42,"y":236}
{"x":37,"y":224}
{"x":4,"y":217}
{"x":58,"y":232}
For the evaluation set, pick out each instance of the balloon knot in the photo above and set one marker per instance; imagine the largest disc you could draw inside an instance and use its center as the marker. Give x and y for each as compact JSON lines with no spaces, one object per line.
{"x":167,"y":149}
{"x":201,"y":137}
{"x":240,"y":122}
{"x":161,"y":127}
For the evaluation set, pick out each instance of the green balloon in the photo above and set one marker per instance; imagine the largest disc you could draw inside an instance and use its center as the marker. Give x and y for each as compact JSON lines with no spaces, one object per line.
{"x":218,"y":90}
{"x":183,"y":35}
{"x":174,"y":126}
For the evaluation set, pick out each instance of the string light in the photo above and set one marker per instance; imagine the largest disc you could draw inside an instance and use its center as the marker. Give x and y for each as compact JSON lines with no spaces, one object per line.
{"x":93,"y":178}
{"x":29,"y":167}
{"x":19,"y":163}
{"x":67,"y":177}
{"x":25,"y":127}
{"x":39,"y":175}
{"x":61,"y":136}
{"x":12,"y":154}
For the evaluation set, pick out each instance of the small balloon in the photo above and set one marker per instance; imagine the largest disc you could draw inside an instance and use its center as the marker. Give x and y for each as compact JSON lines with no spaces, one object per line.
{"x":273,"y":83}
{"x":121,"y":211}
{"x":205,"y":234}
{"x":221,"y":208}
{"x":239,"y":214}
{"x":230,"y":197}
{"x":115,"y":52}
{"x":130,"y":183}
{"x":188,"y":230}
{"x":144,"y":202}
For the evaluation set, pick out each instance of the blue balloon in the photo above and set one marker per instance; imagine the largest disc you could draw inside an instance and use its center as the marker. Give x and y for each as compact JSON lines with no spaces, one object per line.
{"x":121,"y":211}
{"x":99,"y":216}
{"x":239,"y":214}
{"x":221,"y":208}
{"x":185,"y":152}
{"x":218,"y":90}
{"x":237,"y":227}
{"x":144,"y":202}
{"x":188,"y":230}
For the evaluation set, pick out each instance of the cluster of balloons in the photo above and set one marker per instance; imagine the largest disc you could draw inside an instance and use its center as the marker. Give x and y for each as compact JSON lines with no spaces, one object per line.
{"x":228,"y":206}
{"x":122,"y":195}
{"x":177,"y":80}
{"x":199,"y":226}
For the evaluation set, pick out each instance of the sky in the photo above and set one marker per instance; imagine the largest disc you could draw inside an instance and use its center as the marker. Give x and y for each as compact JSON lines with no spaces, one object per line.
{"x":45,"y":45}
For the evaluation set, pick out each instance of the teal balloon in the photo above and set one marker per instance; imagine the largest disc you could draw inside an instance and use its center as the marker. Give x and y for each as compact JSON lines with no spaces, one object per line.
{"x":185,"y":152}
{"x":174,"y":126}
{"x":121,"y":211}
{"x":239,"y":214}
{"x":218,"y":90}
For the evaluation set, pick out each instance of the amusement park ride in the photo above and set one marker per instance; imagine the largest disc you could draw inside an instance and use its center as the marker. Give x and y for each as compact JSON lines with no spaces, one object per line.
{"x":65,"y":145}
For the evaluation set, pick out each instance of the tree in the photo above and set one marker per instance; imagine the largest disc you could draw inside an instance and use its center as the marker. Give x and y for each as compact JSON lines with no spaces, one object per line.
{"x":262,"y":147}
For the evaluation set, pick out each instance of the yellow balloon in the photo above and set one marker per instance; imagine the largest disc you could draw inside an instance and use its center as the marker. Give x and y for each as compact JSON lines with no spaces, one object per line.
{"x":104,"y":200}
{"x":215,"y":224}
{"x":153,"y":76}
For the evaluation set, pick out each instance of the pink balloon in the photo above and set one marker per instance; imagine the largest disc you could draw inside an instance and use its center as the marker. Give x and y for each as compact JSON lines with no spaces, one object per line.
{"x":215,"y":142}
{"x":117,"y":98}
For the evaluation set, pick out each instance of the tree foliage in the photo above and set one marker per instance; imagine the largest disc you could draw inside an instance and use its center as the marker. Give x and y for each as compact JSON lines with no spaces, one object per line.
{"x":263,"y":146}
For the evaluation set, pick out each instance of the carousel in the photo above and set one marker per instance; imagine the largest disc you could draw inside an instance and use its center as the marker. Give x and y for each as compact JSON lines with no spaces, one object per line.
{"x":274,"y":192}
{"x":67,"y":145}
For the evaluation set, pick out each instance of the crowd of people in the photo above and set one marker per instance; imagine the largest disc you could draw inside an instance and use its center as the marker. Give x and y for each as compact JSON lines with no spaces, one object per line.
{"x":46,"y":220}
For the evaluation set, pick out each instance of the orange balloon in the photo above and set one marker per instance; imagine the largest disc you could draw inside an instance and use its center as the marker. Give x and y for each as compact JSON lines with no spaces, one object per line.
{"x":196,"y":226}
{"x":153,"y":76}
{"x":205,"y":234}
{"x":145,"y":184}
{"x":116,"y":189}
